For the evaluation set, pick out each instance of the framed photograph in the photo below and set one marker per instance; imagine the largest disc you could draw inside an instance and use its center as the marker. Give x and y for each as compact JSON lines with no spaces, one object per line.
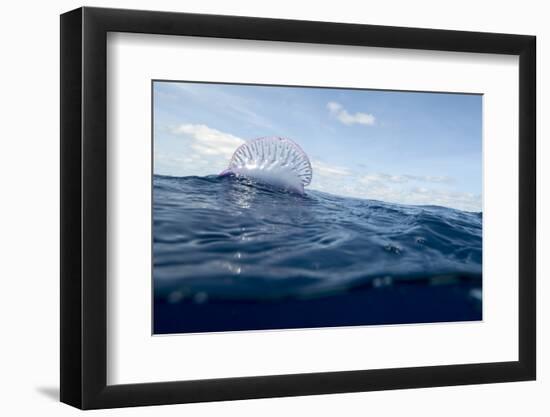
{"x":257,"y":208}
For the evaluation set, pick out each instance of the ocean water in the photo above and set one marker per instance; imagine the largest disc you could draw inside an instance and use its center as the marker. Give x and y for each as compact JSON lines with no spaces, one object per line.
{"x":230,"y":254}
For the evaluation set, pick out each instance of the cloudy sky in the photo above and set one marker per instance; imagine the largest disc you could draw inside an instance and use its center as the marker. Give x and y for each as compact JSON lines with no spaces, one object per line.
{"x":403,"y":147}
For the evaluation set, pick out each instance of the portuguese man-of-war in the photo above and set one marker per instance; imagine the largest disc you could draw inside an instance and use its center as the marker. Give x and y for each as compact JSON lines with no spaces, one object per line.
{"x":274,"y":161}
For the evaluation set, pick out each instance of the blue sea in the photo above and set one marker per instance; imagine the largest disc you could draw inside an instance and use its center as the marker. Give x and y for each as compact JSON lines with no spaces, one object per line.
{"x":230,"y":254}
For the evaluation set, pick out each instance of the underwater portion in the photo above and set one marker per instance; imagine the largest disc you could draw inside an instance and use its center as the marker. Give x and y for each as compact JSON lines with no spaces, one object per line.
{"x":231,"y":253}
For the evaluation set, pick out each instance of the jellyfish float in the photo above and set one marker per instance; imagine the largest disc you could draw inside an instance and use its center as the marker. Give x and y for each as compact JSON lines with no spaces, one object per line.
{"x":274,"y":161}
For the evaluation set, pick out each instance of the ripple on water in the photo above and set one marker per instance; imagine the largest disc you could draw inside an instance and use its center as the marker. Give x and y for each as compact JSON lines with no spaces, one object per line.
{"x":218,"y":236}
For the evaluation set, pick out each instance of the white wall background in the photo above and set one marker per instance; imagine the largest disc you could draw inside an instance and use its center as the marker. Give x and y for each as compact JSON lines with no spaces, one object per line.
{"x":29,"y":226}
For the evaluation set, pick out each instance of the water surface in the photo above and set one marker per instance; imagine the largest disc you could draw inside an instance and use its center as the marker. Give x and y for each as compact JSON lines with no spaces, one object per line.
{"x":230,"y":254}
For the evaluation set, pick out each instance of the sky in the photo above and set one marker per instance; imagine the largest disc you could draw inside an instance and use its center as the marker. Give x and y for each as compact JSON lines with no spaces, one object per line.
{"x":400,"y":147}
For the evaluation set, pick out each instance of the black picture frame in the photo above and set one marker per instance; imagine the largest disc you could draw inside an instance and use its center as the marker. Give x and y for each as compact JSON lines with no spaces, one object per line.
{"x":84,"y":207}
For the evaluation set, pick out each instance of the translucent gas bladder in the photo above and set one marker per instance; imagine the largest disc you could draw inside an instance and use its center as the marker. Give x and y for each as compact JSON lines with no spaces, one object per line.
{"x":275,"y":161}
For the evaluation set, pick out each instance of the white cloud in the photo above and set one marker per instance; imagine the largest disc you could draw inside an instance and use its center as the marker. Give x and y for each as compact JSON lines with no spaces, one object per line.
{"x":401,"y":179}
{"x":402,"y":189}
{"x":393,"y":188}
{"x":397,"y":193}
{"x":379,"y":177}
{"x":324,"y":169}
{"x":441,"y":179}
{"x":338,"y":111}
{"x":207,"y":141}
